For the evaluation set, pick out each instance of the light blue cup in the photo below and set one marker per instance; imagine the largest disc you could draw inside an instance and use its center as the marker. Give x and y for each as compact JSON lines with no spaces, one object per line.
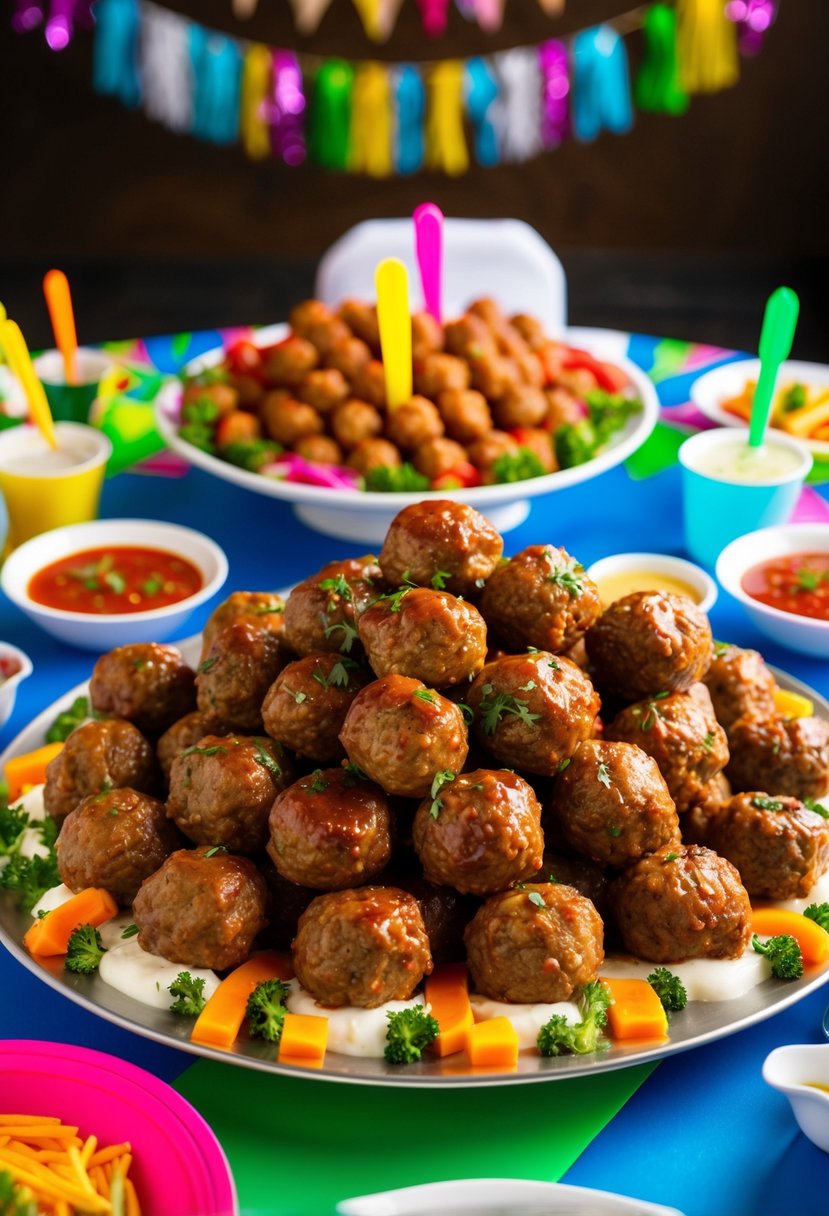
{"x":717,"y":510}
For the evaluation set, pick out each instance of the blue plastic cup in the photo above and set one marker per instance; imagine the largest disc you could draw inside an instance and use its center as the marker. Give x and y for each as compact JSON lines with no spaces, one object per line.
{"x":717,"y":509}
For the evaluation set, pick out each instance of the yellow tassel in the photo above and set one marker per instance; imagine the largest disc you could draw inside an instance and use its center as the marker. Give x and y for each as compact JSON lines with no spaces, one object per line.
{"x":256,"y":80}
{"x":369,"y":13}
{"x":706,"y":46}
{"x":370,"y":134}
{"x":446,"y":148}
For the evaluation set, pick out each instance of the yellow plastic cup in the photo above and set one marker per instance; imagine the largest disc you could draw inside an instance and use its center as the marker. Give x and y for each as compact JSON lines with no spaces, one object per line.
{"x":45,"y":489}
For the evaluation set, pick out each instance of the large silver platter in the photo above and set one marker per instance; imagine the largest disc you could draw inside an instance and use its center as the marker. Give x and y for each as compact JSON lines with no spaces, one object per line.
{"x":700,"y":1023}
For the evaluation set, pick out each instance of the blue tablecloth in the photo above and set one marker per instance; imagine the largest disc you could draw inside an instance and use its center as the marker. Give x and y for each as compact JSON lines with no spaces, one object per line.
{"x":704,"y":1133}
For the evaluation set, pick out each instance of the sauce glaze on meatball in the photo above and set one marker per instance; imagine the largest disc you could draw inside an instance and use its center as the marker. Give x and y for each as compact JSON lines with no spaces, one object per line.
{"x":541,"y":597}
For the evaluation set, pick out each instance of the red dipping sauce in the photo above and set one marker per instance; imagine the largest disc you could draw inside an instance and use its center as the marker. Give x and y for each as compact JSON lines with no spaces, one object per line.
{"x":115,"y":581}
{"x":798,"y":584}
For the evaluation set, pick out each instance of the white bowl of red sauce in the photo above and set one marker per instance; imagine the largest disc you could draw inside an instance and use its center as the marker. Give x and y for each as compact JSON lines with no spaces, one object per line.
{"x":15,"y":666}
{"x":114,"y":581}
{"x":781,"y":577}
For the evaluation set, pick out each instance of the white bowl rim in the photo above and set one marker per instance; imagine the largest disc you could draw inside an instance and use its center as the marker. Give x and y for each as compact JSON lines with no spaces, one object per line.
{"x":729,"y":576}
{"x":9,"y":650}
{"x":722,"y":434}
{"x":207,"y":546}
{"x":29,"y":431}
{"x":774,"y":1066}
{"x":479,"y":497}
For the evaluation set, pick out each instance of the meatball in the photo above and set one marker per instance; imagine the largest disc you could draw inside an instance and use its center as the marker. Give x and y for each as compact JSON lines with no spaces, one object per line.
{"x":349,"y":356}
{"x":533,"y":710}
{"x":224,"y":398}
{"x":203,"y":908}
{"x":362,"y":319}
{"x":480,"y":833}
{"x":262,"y":608}
{"x":540,"y":443}
{"x":485,"y":451}
{"x":446,"y":913}
{"x":541,"y":597}
{"x":681,"y":733}
{"x":330,"y":831}
{"x":306,"y":705}
{"x":114,"y":840}
{"x":287,"y":420}
{"x":413,"y":423}
{"x":324,"y":389}
{"x":739,"y":683}
{"x":354,"y":421}
{"x":222,"y":788}
{"x":523,"y":405}
{"x":682,"y":902}
{"x":95,"y":757}
{"x":286,"y":903}
{"x":530,"y":329}
{"x":370,"y":384}
{"x":784,"y":757}
{"x":541,"y":943}
{"x":402,"y":733}
{"x":427,"y":335}
{"x":648,"y":642}
{"x":779,"y":846}
{"x":321,"y":612}
{"x":316,"y":322}
{"x":290,"y":361}
{"x":181,"y":735}
{"x":493,"y":375}
{"x":563,"y":408}
{"x":465,"y":414}
{"x":612,"y":804}
{"x":467,"y":333}
{"x":428,"y":635}
{"x":589,"y":878}
{"x":438,"y":456}
{"x":440,"y":540}
{"x":362,"y":947}
{"x":438,"y":372}
{"x":319,"y":449}
{"x":241,"y":663}
{"x":145,"y":683}
{"x":372,"y":454}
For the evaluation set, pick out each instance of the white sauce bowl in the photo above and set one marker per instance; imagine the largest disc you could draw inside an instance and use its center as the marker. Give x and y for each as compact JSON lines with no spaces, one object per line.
{"x":793,"y":1070}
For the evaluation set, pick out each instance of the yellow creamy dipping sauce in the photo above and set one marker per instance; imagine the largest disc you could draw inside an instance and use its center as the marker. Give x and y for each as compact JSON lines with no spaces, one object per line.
{"x":624,"y":582}
{"x":734,"y":460}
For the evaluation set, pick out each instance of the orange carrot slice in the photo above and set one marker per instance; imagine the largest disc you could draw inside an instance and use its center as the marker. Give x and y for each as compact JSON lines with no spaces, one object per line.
{"x":50,"y":935}
{"x":304,"y":1038}
{"x":21,"y":772}
{"x":447,"y":993}
{"x":812,"y":939}
{"x":492,"y":1044}
{"x":220,"y":1021}
{"x":636,"y":1012}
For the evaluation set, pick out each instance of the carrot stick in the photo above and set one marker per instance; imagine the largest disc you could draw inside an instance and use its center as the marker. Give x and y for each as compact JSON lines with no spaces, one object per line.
{"x":50,"y":935}
{"x":636,"y":1012}
{"x":447,"y":994}
{"x":220,"y":1021}
{"x":304,"y":1038}
{"x":812,"y":939}
{"x":21,"y":772}
{"x":493,"y":1044}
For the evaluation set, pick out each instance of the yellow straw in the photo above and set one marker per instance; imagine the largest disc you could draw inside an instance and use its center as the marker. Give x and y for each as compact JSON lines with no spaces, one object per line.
{"x":20,"y":361}
{"x":392,"y":283}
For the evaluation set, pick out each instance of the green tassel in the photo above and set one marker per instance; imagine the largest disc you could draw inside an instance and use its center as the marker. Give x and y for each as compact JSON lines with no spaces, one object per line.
{"x":657,"y":87}
{"x":330,"y":119}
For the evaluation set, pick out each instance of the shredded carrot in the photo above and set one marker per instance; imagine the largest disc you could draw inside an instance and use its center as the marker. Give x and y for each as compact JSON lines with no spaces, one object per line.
{"x":50,"y":935}
{"x":812,"y":939}
{"x":447,"y":994}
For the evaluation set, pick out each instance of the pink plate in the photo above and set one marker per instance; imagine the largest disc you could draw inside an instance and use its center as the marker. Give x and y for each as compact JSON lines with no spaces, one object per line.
{"x":179,"y":1168}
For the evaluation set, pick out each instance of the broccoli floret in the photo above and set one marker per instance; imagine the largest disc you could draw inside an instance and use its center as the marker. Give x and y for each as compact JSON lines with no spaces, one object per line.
{"x":609,"y":412}
{"x":189,"y":994}
{"x":31,"y":877}
{"x":202,"y":412}
{"x":409,"y":1031}
{"x":669,"y":988}
{"x":67,"y":720}
{"x":266,"y":1010}
{"x":519,"y":465}
{"x":559,"y":1037}
{"x":386,"y":479}
{"x":784,"y":955}
{"x":575,"y":443}
{"x":85,"y":950}
{"x":200,"y":436}
{"x":818,"y":913}
{"x":13,"y":823}
{"x":251,"y":455}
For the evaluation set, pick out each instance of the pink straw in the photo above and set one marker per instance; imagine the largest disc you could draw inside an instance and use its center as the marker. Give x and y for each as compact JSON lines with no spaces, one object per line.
{"x":428,"y":225}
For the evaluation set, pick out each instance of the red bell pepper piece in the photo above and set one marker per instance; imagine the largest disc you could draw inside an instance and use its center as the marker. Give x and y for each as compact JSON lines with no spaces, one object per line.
{"x":462,"y":477}
{"x":580,"y":360}
{"x":244,"y":359}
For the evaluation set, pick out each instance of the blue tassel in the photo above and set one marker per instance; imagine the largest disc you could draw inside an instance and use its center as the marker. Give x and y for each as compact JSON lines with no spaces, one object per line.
{"x":115,"y":65}
{"x":601,"y":84}
{"x":217,"y":73}
{"x":481,"y":93}
{"x":411,"y":108}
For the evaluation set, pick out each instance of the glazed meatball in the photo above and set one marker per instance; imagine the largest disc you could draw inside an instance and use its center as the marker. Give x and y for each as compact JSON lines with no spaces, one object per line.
{"x":241,"y":663}
{"x":480,"y":833}
{"x":648,"y":642}
{"x":440,"y":539}
{"x":315,"y":321}
{"x":145,"y":683}
{"x":438,"y":456}
{"x":493,"y":375}
{"x":739,"y":683}
{"x":541,"y":943}
{"x":290,"y":361}
{"x":324,"y":389}
{"x":354,"y":421}
{"x":446,"y":913}
{"x":95,"y":757}
{"x":362,"y":319}
{"x":262,"y":608}
{"x":319,"y":449}
{"x":114,"y":840}
{"x":306,"y":705}
{"x":178,"y":737}
{"x":286,"y":903}
{"x":589,"y":878}
{"x":349,"y":356}
{"x":287,"y":420}
{"x":541,"y":597}
{"x":362,"y":947}
{"x":683,"y":736}
{"x":563,"y":409}
{"x":222,"y":788}
{"x":402,"y":733}
{"x":321,"y":612}
{"x":330,"y":830}
{"x":530,"y":329}
{"x":533,"y":710}
{"x":224,"y":398}
{"x":439,"y":372}
{"x":467,"y":333}
{"x":524,"y":405}
{"x":784,"y":757}
{"x":427,"y":335}
{"x":779,"y":846}
{"x":465,"y":414}
{"x":428,"y":635}
{"x":413,"y":423}
{"x":612,"y":804}
{"x":370,"y":454}
{"x":203,"y":908}
{"x":682,"y":902}
{"x":370,"y":384}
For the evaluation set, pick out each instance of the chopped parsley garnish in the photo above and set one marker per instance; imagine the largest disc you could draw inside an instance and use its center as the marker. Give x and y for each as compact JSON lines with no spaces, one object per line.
{"x":207,"y":664}
{"x":535,"y":897}
{"x":671,"y":856}
{"x":650,"y":713}
{"x":394,"y":599}
{"x":493,"y":709}
{"x":603,"y":775}
{"x":708,"y":741}
{"x":423,"y":694}
{"x":299,"y":697}
{"x":567,"y":576}
{"x":215,"y":749}
{"x":338,"y":676}
{"x":528,"y":687}
{"x":319,"y":784}
{"x":348,"y":631}
{"x":353,"y":774}
{"x":614,"y":830}
{"x":130,"y":931}
{"x":766,"y":804}
{"x":817,"y":807}
{"x":810,"y":580}
{"x":216,"y":848}
{"x":442,"y":778}
{"x":440,"y":578}
{"x":466,"y":712}
{"x":337,"y":586}
{"x":721,"y":648}
{"x":563,"y":765}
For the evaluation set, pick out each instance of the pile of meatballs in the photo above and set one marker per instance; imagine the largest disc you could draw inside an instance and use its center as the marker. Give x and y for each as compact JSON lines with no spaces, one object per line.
{"x":485,"y":385}
{"x":442,"y":754}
